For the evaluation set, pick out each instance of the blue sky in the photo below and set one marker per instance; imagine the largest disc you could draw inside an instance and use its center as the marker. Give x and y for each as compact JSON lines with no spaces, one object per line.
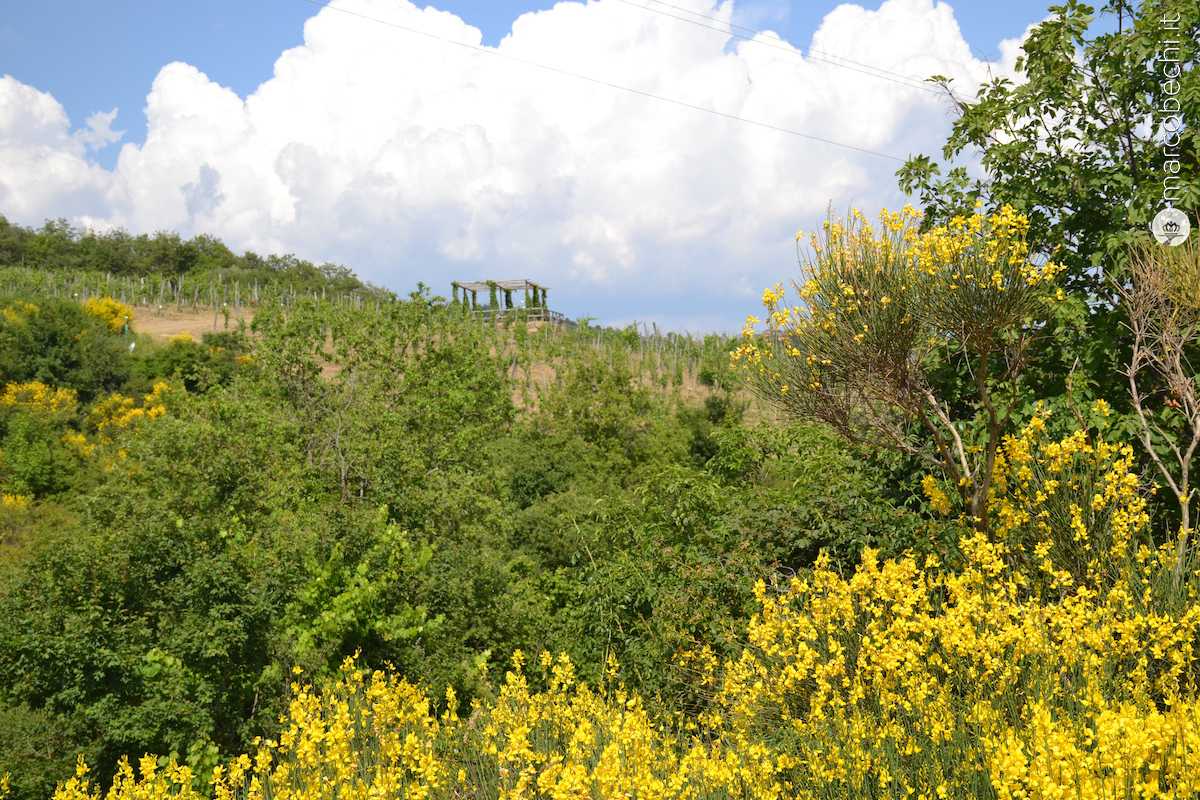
{"x":408,"y":160}
{"x":99,"y":56}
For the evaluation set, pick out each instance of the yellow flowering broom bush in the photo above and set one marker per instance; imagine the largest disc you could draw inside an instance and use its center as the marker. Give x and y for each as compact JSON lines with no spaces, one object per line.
{"x":113,"y":313}
{"x":907,"y":680}
{"x":119,"y":411}
{"x":1042,"y":665}
{"x":880,"y":309}
{"x":1034,"y":663}
{"x":38,"y":398}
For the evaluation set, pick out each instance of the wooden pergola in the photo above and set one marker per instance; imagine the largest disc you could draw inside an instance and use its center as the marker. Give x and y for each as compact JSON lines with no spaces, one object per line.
{"x":500,"y":295}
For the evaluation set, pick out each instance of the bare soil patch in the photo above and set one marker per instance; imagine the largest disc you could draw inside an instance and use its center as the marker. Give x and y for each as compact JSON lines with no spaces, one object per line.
{"x":168,"y":322}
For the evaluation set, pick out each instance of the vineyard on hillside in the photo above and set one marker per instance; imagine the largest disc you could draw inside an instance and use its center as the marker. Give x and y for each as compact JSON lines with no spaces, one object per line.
{"x":924,"y":530}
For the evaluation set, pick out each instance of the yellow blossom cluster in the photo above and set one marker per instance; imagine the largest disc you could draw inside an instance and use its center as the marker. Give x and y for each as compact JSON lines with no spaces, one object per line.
{"x":372,"y":734}
{"x":907,"y":680}
{"x":1073,"y":505}
{"x":119,"y":411}
{"x":939,"y":501}
{"x":17,"y":313}
{"x":149,"y":781}
{"x":114,"y":413}
{"x":871,"y":296}
{"x":984,"y":252}
{"x":79,"y":443}
{"x":115,"y":314}
{"x":37,"y":397}
{"x":910,"y":678}
{"x":14,"y":502}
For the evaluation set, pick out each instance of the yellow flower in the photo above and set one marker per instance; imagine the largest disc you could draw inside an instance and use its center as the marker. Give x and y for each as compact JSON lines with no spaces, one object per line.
{"x":15,"y":502}
{"x":37,"y":397}
{"x":115,"y":314}
{"x":938,"y":500}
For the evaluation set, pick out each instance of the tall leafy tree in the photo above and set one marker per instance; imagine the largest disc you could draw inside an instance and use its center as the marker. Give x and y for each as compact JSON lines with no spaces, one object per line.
{"x":1079,"y":143}
{"x":1100,"y":124}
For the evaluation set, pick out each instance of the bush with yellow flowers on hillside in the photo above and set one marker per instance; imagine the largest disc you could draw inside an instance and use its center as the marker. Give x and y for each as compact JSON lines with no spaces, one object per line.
{"x":115,"y":314}
{"x":1051,"y":651}
{"x":1042,"y":660}
{"x":881,"y":308}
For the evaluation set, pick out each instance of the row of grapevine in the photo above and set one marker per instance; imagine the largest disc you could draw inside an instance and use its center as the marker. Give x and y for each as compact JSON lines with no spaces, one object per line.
{"x":179,"y":292}
{"x":532,"y":337}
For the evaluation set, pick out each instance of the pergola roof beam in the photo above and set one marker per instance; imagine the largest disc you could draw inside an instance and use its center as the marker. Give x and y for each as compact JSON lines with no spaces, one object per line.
{"x":483,"y":286}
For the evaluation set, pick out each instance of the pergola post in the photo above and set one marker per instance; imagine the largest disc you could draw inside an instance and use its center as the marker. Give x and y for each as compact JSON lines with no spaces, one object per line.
{"x":501,"y":299}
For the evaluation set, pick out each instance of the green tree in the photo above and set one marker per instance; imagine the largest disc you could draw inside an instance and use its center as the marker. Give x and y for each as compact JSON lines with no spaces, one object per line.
{"x":1078,"y":143}
{"x":1097,"y":133}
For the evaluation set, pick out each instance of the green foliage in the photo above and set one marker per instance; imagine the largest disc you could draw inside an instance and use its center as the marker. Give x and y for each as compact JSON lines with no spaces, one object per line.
{"x":403,"y":483}
{"x":1106,"y":89}
{"x":36,"y":462}
{"x":1077,"y":145}
{"x":362,"y":602}
{"x":37,"y":750}
{"x":198,"y":365}
{"x":720,"y":412}
{"x":59,"y":247}
{"x":55,"y":342}
{"x":149,"y":619}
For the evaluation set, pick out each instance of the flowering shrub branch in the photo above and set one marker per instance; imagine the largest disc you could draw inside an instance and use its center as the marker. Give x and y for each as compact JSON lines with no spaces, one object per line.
{"x":1028,"y":670}
{"x":113,"y":313}
{"x":882,"y":310}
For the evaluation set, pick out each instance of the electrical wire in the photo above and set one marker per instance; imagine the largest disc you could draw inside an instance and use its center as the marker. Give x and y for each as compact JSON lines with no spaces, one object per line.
{"x":751,"y":35}
{"x":602,"y":82}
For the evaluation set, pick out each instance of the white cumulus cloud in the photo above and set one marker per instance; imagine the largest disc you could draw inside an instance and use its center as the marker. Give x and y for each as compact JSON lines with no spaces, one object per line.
{"x":410,"y":159}
{"x":99,"y":132}
{"x":44,"y":170}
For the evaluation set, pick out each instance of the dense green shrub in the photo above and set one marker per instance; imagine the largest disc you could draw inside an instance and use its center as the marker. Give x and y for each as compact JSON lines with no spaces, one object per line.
{"x":198,"y":365}
{"x":37,"y":749}
{"x":341,"y":482}
{"x":36,"y":461}
{"x":56,"y":342}
{"x":149,"y":621}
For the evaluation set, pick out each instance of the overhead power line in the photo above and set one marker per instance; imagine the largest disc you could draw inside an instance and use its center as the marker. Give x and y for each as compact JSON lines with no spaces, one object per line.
{"x":752,"y":35}
{"x":602,"y":82}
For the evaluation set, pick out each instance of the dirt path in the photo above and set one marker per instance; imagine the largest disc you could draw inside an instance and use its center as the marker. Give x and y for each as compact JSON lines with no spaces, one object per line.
{"x":171,"y":322}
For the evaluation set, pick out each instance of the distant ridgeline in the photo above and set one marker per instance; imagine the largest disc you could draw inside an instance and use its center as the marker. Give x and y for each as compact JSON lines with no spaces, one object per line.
{"x":162,"y":269}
